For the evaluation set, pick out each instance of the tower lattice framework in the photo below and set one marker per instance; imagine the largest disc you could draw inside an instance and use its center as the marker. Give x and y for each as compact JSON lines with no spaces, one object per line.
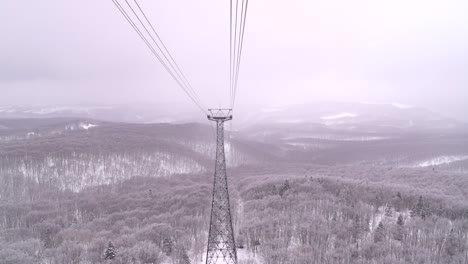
{"x":221,"y":245}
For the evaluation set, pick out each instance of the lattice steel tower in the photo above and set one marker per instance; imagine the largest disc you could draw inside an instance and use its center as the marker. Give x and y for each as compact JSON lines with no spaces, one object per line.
{"x":221,"y":244}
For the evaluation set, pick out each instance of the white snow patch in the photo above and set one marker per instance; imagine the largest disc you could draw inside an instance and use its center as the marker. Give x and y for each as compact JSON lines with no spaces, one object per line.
{"x":31,"y":134}
{"x":339,"y":116}
{"x":61,"y":109}
{"x":7,"y":110}
{"x":397,"y":105}
{"x":301,"y":145}
{"x":440,"y":161}
{"x":375,"y":221}
{"x":50,"y":162}
{"x":243,"y":256}
{"x":45,"y":111}
{"x":87,"y":126}
{"x":340,"y":137}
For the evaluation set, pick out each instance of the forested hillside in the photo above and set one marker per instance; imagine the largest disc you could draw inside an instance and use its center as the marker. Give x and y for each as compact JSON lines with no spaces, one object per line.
{"x":83,"y":191}
{"x":73,"y":154}
{"x":291,"y":217}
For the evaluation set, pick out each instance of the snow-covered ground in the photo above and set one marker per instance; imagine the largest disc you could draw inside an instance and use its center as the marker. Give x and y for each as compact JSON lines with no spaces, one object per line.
{"x":397,"y":105}
{"x":244,"y":256}
{"x":87,"y":126}
{"x":441,"y":160}
{"x":6,"y":110}
{"x":340,"y":137}
{"x":339,"y":116}
{"x":79,"y":126}
{"x":308,"y":145}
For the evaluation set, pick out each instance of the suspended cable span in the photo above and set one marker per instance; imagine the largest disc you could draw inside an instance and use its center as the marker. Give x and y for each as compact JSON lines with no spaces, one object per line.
{"x":241,"y":44}
{"x":230,"y":53}
{"x":236,"y":44}
{"x":233,"y":61}
{"x":171,"y":60}
{"x":176,"y":76}
{"x":140,"y":33}
{"x":177,"y":72}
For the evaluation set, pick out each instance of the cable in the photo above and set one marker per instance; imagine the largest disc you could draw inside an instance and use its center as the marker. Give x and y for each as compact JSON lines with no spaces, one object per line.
{"x":239,"y":31}
{"x":234,"y":55}
{"x":187,"y":89}
{"x":171,"y":61}
{"x":236,"y":39}
{"x":243,"y":19}
{"x":237,"y":50}
{"x":145,"y":40}
{"x":230,"y":54}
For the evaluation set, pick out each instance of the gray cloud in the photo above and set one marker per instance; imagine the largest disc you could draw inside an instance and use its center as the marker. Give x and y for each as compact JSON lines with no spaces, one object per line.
{"x":412,"y":52}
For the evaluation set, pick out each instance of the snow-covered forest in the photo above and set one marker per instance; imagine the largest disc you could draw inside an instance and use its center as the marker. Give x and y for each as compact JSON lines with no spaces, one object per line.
{"x":233,"y":132}
{"x":135,"y":193}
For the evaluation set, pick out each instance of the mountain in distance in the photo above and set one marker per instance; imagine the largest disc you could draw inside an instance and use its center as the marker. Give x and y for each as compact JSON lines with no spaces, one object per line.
{"x":368,"y":117}
{"x":137,"y":113}
{"x":360,"y":117}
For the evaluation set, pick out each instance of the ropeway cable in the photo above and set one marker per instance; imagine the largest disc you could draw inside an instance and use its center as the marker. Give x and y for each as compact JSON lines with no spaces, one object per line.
{"x":176,"y":76}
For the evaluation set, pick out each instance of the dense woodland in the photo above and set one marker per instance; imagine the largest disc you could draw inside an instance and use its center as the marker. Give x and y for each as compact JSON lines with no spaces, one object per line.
{"x":284,"y":212}
{"x":301,"y":217}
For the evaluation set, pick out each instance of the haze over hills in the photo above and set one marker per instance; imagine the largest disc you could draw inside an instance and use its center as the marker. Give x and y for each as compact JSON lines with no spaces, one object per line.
{"x":339,"y":116}
{"x":356,"y":117}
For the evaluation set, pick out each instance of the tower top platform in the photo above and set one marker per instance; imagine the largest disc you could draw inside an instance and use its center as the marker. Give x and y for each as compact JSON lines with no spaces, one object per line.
{"x":220,"y":114}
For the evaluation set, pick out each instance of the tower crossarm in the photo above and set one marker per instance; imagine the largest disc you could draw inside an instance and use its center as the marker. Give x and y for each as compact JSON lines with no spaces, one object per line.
{"x":220,"y":114}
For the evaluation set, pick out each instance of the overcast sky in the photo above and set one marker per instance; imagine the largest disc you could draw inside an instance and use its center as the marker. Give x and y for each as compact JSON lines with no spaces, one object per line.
{"x":296,"y":51}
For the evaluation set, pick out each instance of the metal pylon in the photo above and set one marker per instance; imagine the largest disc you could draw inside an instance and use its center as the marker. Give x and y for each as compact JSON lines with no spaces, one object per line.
{"x":221,"y":246}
